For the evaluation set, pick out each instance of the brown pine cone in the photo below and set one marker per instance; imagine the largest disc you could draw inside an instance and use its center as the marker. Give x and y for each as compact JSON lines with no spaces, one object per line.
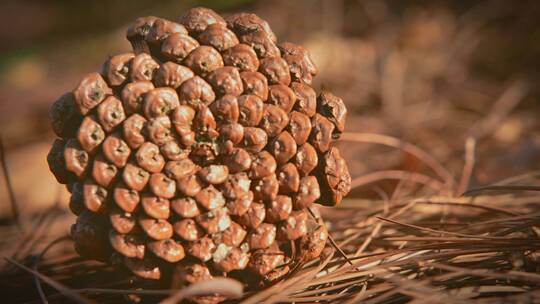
{"x":199,"y":153}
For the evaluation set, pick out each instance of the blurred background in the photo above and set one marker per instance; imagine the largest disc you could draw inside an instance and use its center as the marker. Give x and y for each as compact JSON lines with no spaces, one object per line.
{"x":432,"y":73}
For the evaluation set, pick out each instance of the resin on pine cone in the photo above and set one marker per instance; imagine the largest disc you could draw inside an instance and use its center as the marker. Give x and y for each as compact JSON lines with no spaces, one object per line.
{"x":199,"y":153}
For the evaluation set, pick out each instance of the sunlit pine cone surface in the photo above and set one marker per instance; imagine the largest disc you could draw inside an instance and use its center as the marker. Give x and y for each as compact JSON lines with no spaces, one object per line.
{"x":199,"y":154}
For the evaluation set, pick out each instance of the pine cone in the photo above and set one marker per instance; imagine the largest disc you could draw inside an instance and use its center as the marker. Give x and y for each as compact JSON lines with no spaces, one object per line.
{"x":200,"y":153}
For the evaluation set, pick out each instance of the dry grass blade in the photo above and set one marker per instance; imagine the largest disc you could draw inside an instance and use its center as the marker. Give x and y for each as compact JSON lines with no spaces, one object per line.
{"x":501,"y":188}
{"x":38,"y":260}
{"x":435,"y":231}
{"x":509,"y":99}
{"x":431,"y":162}
{"x":470,"y":146}
{"x":229,"y":288}
{"x":510,"y":275}
{"x":9,"y":185}
{"x":60,"y":287}
{"x":398,"y":175}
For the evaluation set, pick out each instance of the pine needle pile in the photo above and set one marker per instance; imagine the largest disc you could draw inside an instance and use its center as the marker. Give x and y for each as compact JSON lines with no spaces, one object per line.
{"x":479,"y":246}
